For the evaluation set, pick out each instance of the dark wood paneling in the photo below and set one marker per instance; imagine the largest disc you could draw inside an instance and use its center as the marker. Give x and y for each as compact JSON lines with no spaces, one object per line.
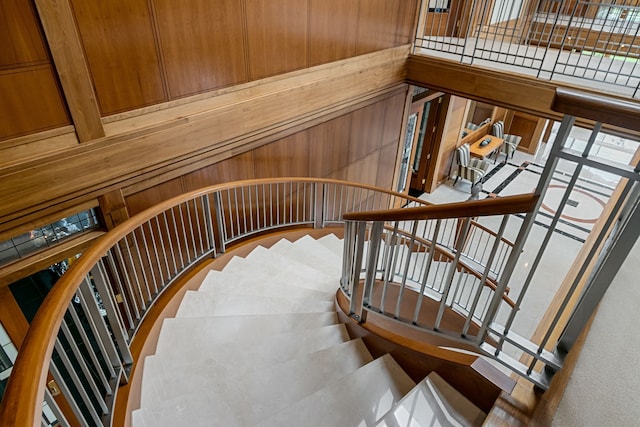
{"x":118,"y":39}
{"x":152,"y":196}
{"x":30,"y":101}
{"x":406,"y":21}
{"x":236,"y":168}
{"x":367,"y":126}
{"x":202,"y":44}
{"x":393,"y":119}
{"x":329,"y":147}
{"x":365,"y":170}
{"x":529,"y":127}
{"x":332,"y":30}
{"x":386,"y":166}
{"x":377,"y":25}
{"x":286,"y":157}
{"x":20,"y":34}
{"x":277,"y":36}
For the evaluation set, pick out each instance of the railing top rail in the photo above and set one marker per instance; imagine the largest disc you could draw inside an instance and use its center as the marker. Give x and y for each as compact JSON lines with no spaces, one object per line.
{"x":601,"y":108}
{"x":22,"y":399}
{"x":472,"y":208}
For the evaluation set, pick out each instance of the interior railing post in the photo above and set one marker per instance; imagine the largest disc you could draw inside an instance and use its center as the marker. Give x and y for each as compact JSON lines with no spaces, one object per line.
{"x":372,"y":264}
{"x":218,"y":211}
{"x":319,"y":203}
{"x":355,"y":284}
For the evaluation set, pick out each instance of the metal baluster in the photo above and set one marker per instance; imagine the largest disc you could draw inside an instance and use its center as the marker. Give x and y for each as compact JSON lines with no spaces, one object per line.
{"x":199,"y":227}
{"x":155,"y":251}
{"x":177,"y":240}
{"x":485,"y":273}
{"x":221,"y":221}
{"x":97,"y":394}
{"x":75,"y":379}
{"x":142,"y":306}
{"x":113,"y":314}
{"x":85,"y":340}
{"x":148,"y":254}
{"x":244,"y":211}
{"x":99,"y":328}
{"x":184,"y":236}
{"x":144,"y":274}
{"x":66,"y":392}
{"x":388,"y":268}
{"x":121,"y":281}
{"x":250,"y":194}
{"x":360,"y":229}
{"x":403,"y":283}
{"x":193,"y":231}
{"x":449,"y":280}
{"x":372,"y":263}
{"x":278,"y":204}
{"x":55,"y":409}
{"x":429,"y":263}
{"x":173,"y":255}
{"x":264,"y":206}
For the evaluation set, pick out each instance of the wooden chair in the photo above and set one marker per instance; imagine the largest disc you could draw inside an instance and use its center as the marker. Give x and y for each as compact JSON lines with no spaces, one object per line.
{"x":511,"y":142}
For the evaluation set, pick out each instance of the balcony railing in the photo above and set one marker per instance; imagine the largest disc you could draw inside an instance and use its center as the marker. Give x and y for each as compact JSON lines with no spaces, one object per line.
{"x":592,"y":44}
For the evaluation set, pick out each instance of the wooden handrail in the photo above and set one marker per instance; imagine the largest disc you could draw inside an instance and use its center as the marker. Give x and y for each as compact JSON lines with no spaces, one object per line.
{"x":601,"y":108}
{"x":486,"y":207}
{"x":22,"y":401}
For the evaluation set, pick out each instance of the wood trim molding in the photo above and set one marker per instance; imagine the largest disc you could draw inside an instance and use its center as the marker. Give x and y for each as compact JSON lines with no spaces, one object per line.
{"x":42,"y":260}
{"x":221,"y":126}
{"x":64,"y":42}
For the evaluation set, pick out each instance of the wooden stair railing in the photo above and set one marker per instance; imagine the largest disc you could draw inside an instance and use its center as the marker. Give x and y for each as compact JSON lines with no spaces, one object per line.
{"x":22,"y":402}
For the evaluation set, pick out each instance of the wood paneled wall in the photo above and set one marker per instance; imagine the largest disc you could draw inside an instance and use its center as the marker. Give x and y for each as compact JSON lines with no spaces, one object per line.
{"x":360,"y":146}
{"x":30,"y":97}
{"x":144,"y":150}
{"x":146,"y":52}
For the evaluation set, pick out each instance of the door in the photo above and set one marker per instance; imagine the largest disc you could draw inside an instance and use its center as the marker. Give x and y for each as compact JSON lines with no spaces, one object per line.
{"x":429,"y":134}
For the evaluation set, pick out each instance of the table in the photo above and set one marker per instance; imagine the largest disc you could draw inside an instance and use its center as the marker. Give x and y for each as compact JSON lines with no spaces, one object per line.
{"x":494,"y":146}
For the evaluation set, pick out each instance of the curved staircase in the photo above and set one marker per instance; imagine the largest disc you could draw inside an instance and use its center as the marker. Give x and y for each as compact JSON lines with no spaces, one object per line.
{"x":259,"y":344}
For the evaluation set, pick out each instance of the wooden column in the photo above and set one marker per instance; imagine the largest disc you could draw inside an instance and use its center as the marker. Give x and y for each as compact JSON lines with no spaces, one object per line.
{"x":64,"y":43}
{"x":113,"y":208}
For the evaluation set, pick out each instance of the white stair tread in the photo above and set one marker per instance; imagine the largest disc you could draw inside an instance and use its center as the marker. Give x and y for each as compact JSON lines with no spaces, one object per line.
{"x":245,"y":328}
{"x":358,"y":399}
{"x":305,"y":251}
{"x":246,"y":282}
{"x":272,"y":264}
{"x":333,"y":243}
{"x":254,"y":394}
{"x":196,"y":304}
{"x":261,"y":350}
{"x":434,"y":402}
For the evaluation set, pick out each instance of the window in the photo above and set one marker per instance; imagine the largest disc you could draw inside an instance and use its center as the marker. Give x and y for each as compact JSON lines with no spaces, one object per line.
{"x":49,"y":235}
